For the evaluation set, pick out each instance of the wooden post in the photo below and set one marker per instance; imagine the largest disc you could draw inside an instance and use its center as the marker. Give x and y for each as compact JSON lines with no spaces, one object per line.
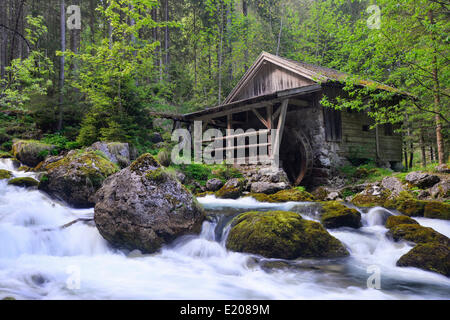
{"x":377,"y":139}
{"x":280,"y":129}
{"x":230,"y":152}
{"x":269,"y":112}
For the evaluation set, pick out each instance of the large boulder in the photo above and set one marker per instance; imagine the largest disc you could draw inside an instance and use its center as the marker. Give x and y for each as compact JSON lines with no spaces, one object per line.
{"x":76,"y":177}
{"x":268,"y":187}
{"x":394,"y":221}
{"x":335,"y":215}
{"x":406,"y":204}
{"x":214,"y":184}
{"x":283,"y":235}
{"x":421,"y":179}
{"x":31,"y":152}
{"x":143,"y":207}
{"x":232,"y":189}
{"x":437,"y":210}
{"x":432,"y":256}
{"x":117,"y":152}
{"x":416,"y":233}
{"x":441,"y":190}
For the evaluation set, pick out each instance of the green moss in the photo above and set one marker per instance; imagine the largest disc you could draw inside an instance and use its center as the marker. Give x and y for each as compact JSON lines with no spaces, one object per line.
{"x":5,"y":174}
{"x":433,"y":257}
{"x":31,"y":152}
{"x":5,"y":154}
{"x":295,"y":195}
{"x":366,"y":199}
{"x":393,"y":221}
{"x":89,"y":163}
{"x":230,"y":190}
{"x":406,"y":204}
{"x":159,"y":175}
{"x":24,"y":182}
{"x":437,"y":210}
{"x":320,"y":193}
{"x":416,"y":233}
{"x":204,"y":194}
{"x":335,"y":215}
{"x":281,"y":234}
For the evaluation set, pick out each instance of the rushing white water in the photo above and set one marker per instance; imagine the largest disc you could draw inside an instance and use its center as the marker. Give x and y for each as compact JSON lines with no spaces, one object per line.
{"x":41,"y":260}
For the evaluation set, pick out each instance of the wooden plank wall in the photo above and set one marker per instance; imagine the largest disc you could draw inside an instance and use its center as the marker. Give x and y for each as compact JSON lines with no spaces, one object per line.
{"x":270,"y":79}
{"x":358,"y":143}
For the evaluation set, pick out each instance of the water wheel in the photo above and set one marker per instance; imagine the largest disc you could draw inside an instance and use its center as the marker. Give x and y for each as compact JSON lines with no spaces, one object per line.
{"x":296,"y":155}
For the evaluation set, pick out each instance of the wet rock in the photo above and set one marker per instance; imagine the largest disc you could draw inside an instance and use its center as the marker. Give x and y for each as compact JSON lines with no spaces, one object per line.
{"x":144,"y":207}
{"x":394,"y":221}
{"x":214,"y":184}
{"x":5,"y":174}
{"x":268,"y":187}
{"x":416,"y":233}
{"x":372,"y":196}
{"x":76,"y":177}
{"x":232,"y":189}
{"x":421,"y":179}
{"x":24,"y":182}
{"x":423,"y":194}
{"x":437,"y":210}
{"x":335,"y":215}
{"x":282,"y":235}
{"x":294,"y":194}
{"x":116,"y":152}
{"x":433,"y":257}
{"x":31,"y":152}
{"x":406,"y":204}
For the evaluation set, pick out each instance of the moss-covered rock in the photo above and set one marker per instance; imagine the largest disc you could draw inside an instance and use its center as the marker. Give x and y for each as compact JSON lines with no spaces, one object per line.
{"x":394,"y":221}
{"x":76,"y":177}
{"x":417,"y":234}
{"x":116,"y":152}
{"x":9,"y":299}
{"x":204,"y":194}
{"x":406,"y":204}
{"x":372,"y":196}
{"x":31,"y":152}
{"x":282,"y":234}
{"x":336,"y":215}
{"x":25,"y":182}
{"x":5,"y":154}
{"x":233,"y":189}
{"x":437,"y":210}
{"x":433,"y":257}
{"x":144,"y":207}
{"x":294,"y":194}
{"x":5,"y":174}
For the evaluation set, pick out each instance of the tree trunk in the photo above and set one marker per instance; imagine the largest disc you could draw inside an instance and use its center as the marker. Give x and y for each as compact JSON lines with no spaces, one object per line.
{"x":422,"y":148}
{"x":61,"y":72}
{"x":166,"y":39}
{"x":245,"y":13}
{"x":437,"y":99}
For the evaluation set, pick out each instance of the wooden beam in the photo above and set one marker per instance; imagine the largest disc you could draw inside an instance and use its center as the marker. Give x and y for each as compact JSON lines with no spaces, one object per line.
{"x":229,"y":139}
{"x":299,"y":103}
{"x":280,"y":127}
{"x":258,"y":115}
{"x":246,"y":134}
{"x":269,"y":112}
{"x":245,"y":146}
{"x":234,"y":110}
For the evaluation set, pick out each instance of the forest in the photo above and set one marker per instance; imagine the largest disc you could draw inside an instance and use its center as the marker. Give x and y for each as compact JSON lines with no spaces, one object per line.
{"x":80,"y":76}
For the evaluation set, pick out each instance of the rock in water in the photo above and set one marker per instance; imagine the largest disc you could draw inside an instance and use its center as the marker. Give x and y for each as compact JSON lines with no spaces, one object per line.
{"x":282,"y":234}
{"x":336,"y":215}
{"x":232,"y":189}
{"x":31,"y":152}
{"x":143,"y":207}
{"x":432,"y":256}
{"x":76,"y":177}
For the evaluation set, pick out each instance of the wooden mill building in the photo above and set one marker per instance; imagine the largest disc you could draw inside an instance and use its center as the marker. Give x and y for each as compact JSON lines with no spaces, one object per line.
{"x":313,"y":140}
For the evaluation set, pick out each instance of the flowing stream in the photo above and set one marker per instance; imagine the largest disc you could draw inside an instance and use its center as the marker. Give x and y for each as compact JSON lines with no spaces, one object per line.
{"x":41,"y":260}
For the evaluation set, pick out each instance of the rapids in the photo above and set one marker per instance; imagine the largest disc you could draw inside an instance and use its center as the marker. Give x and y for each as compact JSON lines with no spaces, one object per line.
{"x":41,"y":260}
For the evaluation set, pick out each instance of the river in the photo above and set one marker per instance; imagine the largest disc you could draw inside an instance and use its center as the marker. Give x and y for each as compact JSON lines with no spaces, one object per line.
{"x":41,"y":260}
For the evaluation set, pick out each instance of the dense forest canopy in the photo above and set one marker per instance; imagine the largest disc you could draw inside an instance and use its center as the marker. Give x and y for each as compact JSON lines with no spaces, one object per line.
{"x":132,"y":57}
